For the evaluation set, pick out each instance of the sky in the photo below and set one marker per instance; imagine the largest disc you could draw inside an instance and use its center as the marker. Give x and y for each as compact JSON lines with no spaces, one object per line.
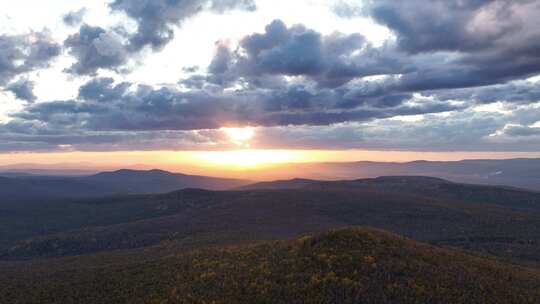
{"x":245,"y":82}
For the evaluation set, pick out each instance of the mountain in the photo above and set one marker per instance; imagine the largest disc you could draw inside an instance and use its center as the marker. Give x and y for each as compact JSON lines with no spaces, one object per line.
{"x":383,"y":182}
{"x":30,"y":187}
{"x":351,"y":265}
{"x":520,"y":173}
{"x":418,"y":185}
{"x":295,"y":183}
{"x":159,"y":181}
{"x":485,"y":219}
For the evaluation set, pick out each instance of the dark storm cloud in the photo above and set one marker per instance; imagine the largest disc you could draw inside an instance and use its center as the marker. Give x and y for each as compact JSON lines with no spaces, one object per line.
{"x":74,"y":18}
{"x":156,"y":19}
{"x":20,"y":54}
{"x":95,"y":48}
{"x":23,"y":89}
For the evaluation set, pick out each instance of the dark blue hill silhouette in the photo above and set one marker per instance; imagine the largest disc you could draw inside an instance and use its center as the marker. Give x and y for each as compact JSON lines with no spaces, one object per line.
{"x":28,"y":187}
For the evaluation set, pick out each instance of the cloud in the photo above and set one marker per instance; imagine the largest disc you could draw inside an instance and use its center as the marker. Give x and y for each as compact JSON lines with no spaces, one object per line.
{"x":448,"y":25}
{"x":23,"y":89}
{"x":20,"y":54}
{"x":466,"y":130}
{"x":94,"y":48}
{"x":105,"y":106}
{"x":103,"y":89}
{"x":109,"y":116}
{"x":330,"y":60}
{"x":514,"y":92}
{"x":304,"y":89}
{"x":521,"y":131}
{"x":156,"y":19}
{"x":457,"y":44}
{"x":74,"y":18}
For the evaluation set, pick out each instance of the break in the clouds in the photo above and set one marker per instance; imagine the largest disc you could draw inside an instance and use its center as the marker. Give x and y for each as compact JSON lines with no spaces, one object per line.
{"x":452,"y":75}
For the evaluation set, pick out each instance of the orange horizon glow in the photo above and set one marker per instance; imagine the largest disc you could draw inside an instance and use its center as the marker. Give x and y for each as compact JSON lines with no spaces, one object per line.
{"x":244,"y":157}
{"x":245,"y":164}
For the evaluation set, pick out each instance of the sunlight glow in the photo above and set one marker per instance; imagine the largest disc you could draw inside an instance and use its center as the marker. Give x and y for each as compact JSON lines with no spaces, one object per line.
{"x":241,"y":159}
{"x":239,"y":136}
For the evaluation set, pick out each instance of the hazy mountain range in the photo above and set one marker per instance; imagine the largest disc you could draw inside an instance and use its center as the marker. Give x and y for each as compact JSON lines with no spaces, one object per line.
{"x":521,"y":173}
{"x":21,"y":186}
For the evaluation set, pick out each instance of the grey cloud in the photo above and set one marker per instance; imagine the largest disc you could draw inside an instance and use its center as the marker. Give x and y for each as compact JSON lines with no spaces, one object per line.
{"x":23,"y":89}
{"x":20,"y":54}
{"x":522,"y":131}
{"x":94,"y":48}
{"x":143,"y":115}
{"x":335,"y":60}
{"x":146,"y":108}
{"x":446,"y":25}
{"x":103,"y":89}
{"x":294,"y":76}
{"x":34,"y":138}
{"x":74,"y":18}
{"x":515,"y":92}
{"x":156,"y":18}
{"x":459,"y":131}
{"x":330,"y":60}
{"x":458,"y":44}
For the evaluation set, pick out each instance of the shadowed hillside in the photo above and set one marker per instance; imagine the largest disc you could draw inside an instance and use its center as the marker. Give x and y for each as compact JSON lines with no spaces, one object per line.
{"x":489,"y":220}
{"x":418,"y":185}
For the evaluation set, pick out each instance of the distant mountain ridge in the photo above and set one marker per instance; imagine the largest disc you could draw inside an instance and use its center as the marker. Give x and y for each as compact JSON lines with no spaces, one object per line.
{"x":294,"y":183}
{"x":160,"y":181}
{"x":120,"y":182}
{"x":300,"y":183}
{"x":519,"y":172}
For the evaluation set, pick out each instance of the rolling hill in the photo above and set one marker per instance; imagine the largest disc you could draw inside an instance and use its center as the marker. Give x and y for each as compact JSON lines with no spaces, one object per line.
{"x":485,"y":219}
{"x":352,"y":265}
{"x":418,"y":185}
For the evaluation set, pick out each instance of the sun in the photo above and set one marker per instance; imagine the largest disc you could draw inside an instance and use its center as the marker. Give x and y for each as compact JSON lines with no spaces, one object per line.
{"x":239,"y":136}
